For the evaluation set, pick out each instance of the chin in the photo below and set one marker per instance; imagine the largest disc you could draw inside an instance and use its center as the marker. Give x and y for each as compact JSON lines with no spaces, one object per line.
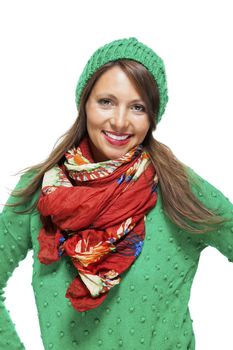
{"x":103,"y":153}
{"x":118,"y":154}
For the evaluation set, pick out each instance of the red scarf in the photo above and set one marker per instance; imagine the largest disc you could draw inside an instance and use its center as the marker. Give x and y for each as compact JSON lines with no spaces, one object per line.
{"x":97,"y":211}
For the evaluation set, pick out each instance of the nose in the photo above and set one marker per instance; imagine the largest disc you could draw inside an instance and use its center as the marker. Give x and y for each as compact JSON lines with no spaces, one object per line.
{"x":120,"y":120}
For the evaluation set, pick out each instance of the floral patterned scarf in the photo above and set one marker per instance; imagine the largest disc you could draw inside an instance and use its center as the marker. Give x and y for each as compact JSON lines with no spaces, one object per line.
{"x":97,"y":211}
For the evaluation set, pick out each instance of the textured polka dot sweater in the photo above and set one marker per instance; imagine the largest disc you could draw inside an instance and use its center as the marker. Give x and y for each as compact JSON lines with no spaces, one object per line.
{"x":148,"y":310}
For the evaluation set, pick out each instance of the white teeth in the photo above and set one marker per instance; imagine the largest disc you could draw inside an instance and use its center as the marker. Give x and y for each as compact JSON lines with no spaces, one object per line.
{"x":115,"y":137}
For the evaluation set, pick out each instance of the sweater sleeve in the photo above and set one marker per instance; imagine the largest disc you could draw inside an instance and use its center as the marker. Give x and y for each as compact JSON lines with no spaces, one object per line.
{"x":220,"y":238}
{"x":15,"y":242}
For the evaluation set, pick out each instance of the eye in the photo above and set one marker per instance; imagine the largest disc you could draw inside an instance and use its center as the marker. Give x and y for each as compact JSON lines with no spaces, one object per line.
{"x":104,"y":101}
{"x":139,"y":108}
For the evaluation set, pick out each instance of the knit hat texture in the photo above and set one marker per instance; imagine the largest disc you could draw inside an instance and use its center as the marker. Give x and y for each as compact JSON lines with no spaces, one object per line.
{"x":129,"y":48}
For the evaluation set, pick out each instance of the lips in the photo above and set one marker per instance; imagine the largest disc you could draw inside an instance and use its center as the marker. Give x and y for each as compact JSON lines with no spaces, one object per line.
{"x":117,"y":139}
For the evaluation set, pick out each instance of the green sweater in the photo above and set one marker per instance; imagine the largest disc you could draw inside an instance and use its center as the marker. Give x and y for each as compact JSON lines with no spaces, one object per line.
{"x":148,"y":310}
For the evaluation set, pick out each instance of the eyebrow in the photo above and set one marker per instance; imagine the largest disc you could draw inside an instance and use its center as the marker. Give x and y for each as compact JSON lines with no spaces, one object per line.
{"x":114,"y":97}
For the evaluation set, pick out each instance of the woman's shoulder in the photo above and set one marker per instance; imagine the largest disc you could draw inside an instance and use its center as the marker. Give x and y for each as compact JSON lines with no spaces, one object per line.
{"x":209,"y":194}
{"x":24,"y":180}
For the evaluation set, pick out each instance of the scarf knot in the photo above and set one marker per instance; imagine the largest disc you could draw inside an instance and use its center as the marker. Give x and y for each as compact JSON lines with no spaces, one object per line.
{"x":98,"y":212}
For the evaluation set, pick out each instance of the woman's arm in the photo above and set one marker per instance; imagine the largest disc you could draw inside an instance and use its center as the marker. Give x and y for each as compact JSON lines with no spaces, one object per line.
{"x":14,"y":244}
{"x":214,"y":199}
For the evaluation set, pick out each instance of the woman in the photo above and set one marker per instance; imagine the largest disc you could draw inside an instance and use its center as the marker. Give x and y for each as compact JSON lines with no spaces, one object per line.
{"x":117,"y":223}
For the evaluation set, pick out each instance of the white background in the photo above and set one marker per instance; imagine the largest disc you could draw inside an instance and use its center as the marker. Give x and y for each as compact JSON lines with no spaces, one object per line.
{"x":44,"y":47}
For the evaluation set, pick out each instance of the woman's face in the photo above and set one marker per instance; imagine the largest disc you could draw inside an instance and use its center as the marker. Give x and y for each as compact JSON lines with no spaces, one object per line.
{"x":117,"y":119}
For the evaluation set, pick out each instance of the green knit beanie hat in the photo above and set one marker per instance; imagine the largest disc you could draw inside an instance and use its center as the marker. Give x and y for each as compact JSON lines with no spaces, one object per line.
{"x":132,"y":49}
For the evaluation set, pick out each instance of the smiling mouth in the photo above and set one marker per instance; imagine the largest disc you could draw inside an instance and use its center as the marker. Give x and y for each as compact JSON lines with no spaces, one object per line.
{"x":117,"y":137}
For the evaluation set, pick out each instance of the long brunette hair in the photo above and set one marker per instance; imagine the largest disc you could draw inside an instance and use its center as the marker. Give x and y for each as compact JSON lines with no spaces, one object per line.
{"x":179,"y":202}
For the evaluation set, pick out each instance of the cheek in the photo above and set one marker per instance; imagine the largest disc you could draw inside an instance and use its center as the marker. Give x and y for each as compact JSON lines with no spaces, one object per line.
{"x":142,"y":127}
{"x":96,"y":117}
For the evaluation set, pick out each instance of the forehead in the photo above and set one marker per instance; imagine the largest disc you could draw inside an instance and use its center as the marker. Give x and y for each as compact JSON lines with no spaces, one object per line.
{"x":115,"y":80}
